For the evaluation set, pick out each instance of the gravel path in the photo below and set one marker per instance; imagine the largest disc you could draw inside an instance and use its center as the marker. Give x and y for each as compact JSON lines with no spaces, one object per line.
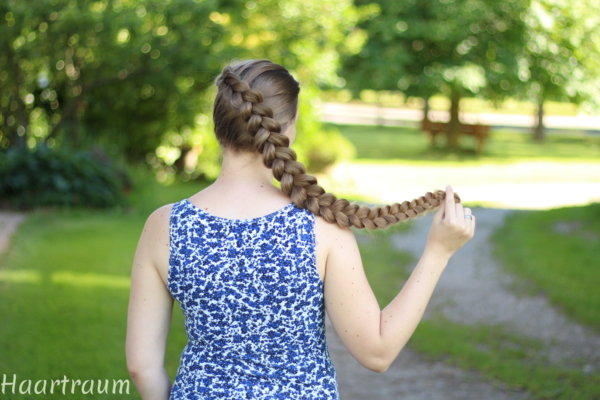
{"x":9,"y":221}
{"x":411,"y":377}
{"x":473,"y":290}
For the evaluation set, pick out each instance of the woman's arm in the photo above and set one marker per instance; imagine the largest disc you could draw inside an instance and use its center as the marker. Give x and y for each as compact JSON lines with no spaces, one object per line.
{"x":372,"y":336}
{"x":150,"y":309}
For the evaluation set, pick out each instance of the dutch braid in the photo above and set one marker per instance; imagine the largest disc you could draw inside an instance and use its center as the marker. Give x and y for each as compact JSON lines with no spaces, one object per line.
{"x":263,"y":134}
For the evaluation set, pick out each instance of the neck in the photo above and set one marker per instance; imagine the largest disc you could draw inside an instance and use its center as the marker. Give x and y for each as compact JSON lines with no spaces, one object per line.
{"x":244,"y":170}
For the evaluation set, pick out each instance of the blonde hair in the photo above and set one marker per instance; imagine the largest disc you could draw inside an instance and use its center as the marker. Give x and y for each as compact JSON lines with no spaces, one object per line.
{"x":255,"y":101}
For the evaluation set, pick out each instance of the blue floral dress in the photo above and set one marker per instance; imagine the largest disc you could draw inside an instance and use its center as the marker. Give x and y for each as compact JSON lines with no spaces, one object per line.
{"x":253,"y":305}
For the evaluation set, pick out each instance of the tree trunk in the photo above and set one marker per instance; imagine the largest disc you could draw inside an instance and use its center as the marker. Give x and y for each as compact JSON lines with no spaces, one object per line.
{"x":454,"y":124}
{"x":539,"y":132}
{"x":380,"y":119}
{"x":425,"y":111}
{"x":426,"y":123}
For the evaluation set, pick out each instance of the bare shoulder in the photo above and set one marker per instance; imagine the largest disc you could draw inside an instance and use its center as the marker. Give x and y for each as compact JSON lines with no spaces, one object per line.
{"x":160,"y":216}
{"x":155,"y":240}
{"x":332,"y":241}
{"x":330,"y":233}
{"x":157,"y":225}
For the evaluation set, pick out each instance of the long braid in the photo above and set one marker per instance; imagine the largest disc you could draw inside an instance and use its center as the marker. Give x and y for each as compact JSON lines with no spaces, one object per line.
{"x":264,"y":133}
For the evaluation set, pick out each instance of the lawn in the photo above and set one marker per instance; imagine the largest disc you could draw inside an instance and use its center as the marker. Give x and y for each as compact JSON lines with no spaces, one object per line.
{"x":401,"y":143}
{"x":64,"y":290}
{"x":64,"y":293}
{"x":557,"y":253}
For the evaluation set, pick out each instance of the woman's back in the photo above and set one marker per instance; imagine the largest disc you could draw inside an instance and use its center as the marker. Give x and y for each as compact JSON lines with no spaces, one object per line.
{"x":251,"y":270}
{"x":253,"y":302}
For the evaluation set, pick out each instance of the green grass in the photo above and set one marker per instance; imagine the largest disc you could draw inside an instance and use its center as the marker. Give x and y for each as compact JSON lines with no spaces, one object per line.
{"x":385,"y":269}
{"x":509,"y":361}
{"x":502,"y":357}
{"x":557,"y":253}
{"x":64,"y":294}
{"x":64,"y":290}
{"x":394,"y":143}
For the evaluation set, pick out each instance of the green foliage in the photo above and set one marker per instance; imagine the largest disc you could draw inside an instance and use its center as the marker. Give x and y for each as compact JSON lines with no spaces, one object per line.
{"x":561,"y":58}
{"x":111,"y":72}
{"x":306,"y":37}
{"x":45,"y":177}
{"x":557,"y":252}
{"x":316,"y":145}
{"x":424,"y":47}
{"x":136,"y":76}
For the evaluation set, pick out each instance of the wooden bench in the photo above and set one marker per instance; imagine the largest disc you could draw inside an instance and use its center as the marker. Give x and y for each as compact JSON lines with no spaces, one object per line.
{"x":478,"y":131}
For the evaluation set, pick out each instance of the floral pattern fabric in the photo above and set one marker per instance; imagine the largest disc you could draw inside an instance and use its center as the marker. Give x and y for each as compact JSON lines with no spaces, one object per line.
{"x":253,"y":305}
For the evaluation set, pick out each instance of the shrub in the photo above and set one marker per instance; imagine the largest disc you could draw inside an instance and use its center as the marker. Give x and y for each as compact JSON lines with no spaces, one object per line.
{"x":45,"y":177}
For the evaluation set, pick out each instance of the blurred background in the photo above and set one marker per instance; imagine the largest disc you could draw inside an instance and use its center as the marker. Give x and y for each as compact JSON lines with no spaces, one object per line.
{"x":106,"y":114}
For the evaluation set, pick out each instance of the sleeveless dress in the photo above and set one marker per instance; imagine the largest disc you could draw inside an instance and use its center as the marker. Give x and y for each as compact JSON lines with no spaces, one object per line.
{"x":253,"y":305}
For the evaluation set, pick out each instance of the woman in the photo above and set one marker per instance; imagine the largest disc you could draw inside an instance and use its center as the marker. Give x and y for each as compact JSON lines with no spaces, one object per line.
{"x":254,"y":272}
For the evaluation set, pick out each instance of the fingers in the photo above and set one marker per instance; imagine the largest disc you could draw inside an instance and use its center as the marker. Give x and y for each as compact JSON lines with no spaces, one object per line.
{"x":460,"y":212}
{"x":439,"y":214}
{"x":450,"y":204}
{"x":469,"y":222}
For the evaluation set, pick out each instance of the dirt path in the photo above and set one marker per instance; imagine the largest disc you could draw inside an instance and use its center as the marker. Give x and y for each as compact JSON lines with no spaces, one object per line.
{"x":411,"y":377}
{"x":473,"y":290}
{"x":9,"y":221}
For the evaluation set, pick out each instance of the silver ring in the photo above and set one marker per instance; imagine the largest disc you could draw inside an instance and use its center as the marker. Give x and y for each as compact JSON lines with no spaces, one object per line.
{"x":468,"y":216}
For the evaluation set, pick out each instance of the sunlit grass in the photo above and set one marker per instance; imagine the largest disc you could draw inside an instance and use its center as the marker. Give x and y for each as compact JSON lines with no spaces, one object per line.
{"x":63,"y":303}
{"x":390,"y":144}
{"x":557,"y":252}
{"x":64,"y":290}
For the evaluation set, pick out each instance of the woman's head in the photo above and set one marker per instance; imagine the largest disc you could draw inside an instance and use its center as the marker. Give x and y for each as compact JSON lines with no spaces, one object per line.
{"x":255,"y":101}
{"x":246,"y":91}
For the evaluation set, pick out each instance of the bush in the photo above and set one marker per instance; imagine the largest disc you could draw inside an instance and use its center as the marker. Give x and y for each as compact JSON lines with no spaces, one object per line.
{"x":45,"y":177}
{"x":318,"y":146}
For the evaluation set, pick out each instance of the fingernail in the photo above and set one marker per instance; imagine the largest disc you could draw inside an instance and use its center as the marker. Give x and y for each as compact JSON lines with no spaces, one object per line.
{"x":448,"y":187}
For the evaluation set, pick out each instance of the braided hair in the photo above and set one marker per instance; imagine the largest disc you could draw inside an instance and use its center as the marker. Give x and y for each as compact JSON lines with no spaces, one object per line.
{"x":255,"y":101}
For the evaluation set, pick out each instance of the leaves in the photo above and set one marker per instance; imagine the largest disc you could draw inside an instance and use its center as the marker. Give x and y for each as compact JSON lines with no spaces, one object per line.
{"x":126,"y":74}
{"x":424,"y":47}
{"x":46,"y":177}
{"x":561,"y":57}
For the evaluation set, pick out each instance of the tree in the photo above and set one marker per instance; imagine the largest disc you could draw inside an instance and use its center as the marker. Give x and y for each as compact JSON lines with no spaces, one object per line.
{"x":136,"y":76}
{"x":561,"y":56}
{"x":306,"y":37}
{"x":114,"y":72}
{"x":424,"y":47}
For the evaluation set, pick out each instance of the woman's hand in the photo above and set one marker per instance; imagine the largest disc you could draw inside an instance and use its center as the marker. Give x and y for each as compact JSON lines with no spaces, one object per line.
{"x":451,"y":227}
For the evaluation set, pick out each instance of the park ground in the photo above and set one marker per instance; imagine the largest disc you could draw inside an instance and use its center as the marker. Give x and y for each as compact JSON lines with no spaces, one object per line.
{"x":515,"y":315}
